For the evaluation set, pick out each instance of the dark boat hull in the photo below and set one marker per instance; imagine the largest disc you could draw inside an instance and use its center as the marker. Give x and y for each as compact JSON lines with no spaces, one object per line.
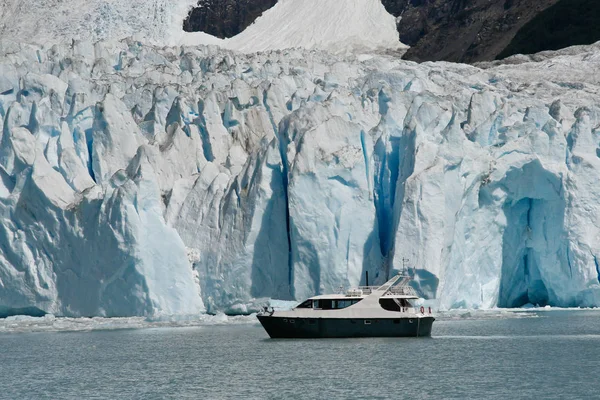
{"x":285,"y":327}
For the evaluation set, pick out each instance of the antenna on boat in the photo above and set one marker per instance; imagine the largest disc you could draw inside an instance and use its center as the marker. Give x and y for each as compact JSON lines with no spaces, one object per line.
{"x":404,"y":262}
{"x":367,"y":278}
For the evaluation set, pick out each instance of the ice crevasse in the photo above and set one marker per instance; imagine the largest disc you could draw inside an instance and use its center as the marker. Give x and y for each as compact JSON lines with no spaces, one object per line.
{"x":138,"y":180}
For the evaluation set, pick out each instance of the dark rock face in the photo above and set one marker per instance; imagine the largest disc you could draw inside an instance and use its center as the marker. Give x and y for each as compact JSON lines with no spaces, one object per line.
{"x":567,"y":23}
{"x":225,"y":18}
{"x":450,"y":30}
{"x":461,"y":30}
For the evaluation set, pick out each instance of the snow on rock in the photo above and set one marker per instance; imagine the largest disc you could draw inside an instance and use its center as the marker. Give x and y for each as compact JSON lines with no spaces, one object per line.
{"x":333,"y":25}
{"x":142,"y":180}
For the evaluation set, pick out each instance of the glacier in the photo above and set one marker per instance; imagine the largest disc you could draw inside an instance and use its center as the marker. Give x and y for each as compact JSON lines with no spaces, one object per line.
{"x":52,"y":21}
{"x":144,"y":180}
{"x":163,"y":177}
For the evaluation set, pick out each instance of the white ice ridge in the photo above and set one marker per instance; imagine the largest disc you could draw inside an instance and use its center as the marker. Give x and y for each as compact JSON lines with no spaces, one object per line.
{"x":334,"y":25}
{"x":51,"y":323}
{"x":142,"y":180}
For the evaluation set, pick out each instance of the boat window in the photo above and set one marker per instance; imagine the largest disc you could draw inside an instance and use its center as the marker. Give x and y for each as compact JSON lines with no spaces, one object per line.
{"x":392,"y":304}
{"x":367,"y":322}
{"x":306,"y":304}
{"x":342,"y":303}
{"x":334,"y":304}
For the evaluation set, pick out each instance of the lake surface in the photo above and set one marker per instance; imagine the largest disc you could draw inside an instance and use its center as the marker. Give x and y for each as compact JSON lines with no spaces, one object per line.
{"x":544,"y":355}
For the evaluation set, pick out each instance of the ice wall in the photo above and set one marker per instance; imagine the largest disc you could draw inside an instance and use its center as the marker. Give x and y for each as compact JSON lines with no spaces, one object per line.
{"x":140,"y":180}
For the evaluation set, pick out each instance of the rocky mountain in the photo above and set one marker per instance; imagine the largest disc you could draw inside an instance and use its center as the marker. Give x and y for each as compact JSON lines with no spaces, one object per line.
{"x":564,"y":24}
{"x":450,"y":30}
{"x":461,"y":30}
{"x":225,"y":18}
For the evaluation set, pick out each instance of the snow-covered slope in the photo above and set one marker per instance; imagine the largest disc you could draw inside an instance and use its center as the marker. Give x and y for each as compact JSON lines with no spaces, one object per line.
{"x":52,"y":21}
{"x":139,"y":180}
{"x":334,"y":25}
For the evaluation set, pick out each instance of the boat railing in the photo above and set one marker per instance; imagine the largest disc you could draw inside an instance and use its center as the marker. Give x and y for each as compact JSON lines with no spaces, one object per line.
{"x":394,"y":290}
{"x":402,"y":290}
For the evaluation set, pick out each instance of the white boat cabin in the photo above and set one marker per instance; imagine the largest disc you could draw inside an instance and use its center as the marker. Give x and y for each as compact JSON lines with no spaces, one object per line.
{"x":396,"y":299}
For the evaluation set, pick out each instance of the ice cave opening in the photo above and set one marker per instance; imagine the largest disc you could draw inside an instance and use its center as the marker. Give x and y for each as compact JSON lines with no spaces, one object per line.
{"x":534,"y":239}
{"x":29,"y":311}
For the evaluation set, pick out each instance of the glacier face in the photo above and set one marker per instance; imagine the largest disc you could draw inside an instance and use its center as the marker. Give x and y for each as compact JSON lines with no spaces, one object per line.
{"x":140,"y":180}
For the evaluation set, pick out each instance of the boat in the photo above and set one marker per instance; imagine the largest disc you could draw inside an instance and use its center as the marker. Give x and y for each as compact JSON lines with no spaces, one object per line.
{"x":369,"y":311}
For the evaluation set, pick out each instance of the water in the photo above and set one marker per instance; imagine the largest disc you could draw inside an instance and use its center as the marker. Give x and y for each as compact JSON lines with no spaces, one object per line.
{"x":549,"y":355}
